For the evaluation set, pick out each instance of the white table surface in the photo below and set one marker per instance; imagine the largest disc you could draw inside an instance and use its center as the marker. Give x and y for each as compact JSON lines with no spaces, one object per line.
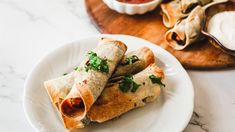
{"x":31,"y":28}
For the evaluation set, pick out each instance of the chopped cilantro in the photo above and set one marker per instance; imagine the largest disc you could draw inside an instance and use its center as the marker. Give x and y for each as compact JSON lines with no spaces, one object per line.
{"x":96,"y":63}
{"x":65,"y":74}
{"x":132,"y":59}
{"x":157,"y":80}
{"x":135,"y":87}
{"x":77,"y":69}
{"x":127,"y":84}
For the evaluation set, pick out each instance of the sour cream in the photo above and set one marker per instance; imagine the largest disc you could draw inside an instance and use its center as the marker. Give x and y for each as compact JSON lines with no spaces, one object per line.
{"x":222,"y":26}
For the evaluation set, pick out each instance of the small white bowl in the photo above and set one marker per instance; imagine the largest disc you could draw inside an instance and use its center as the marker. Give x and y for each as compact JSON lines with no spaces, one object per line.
{"x":132,"y":9}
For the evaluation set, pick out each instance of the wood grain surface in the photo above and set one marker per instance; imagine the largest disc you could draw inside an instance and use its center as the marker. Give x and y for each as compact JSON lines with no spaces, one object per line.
{"x":200,"y":55}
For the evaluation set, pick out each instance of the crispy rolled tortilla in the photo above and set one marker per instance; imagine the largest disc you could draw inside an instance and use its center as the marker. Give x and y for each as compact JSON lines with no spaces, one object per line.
{"x":90,"y":83}
{"x":113,"y":102}
{"x":188,"y":5}
{"x":59,"y":88}
{"x":145,"y":57}
{"x":186,"y":31}
{"x":171,"y":13}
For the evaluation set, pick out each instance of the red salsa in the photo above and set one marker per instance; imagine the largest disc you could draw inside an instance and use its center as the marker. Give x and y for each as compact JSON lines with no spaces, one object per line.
{"x":135,"y":1}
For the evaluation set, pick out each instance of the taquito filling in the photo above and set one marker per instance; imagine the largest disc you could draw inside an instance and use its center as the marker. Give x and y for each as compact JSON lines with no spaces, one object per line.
{"x":190,"y":8}
{"x":177,"y":39}
{"x":72,"y":107}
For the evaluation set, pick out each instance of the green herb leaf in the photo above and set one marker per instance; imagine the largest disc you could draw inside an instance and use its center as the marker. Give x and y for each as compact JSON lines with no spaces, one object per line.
{"x":127,"y":84}
{"x":157,"y":80}
{"x":78,"y":69}
{"x":132,"y":59}
{"x":96,"y":63}
{"x":135,"y":87}
{"x":65,"y":74}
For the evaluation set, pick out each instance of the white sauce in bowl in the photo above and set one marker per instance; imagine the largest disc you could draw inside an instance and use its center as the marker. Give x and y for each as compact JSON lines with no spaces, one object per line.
{"x":222,"y":26}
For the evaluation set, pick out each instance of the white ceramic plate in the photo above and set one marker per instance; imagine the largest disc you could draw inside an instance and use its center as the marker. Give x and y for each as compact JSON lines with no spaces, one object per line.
{"x":171,"y":113}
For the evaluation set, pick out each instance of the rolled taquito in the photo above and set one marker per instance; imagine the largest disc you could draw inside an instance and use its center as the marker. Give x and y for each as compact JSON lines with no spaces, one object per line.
{"x":188,"y":5}
{"x":171,"y":13}
{"x":186,"y":31}
{"x":128,"y":94}
{"x":95,"y":71}
{"x":59,"y":88}
{"x":134,"y":62}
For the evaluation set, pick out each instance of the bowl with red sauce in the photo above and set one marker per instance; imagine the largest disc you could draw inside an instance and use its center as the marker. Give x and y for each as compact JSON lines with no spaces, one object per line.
{"x":132,"y":7}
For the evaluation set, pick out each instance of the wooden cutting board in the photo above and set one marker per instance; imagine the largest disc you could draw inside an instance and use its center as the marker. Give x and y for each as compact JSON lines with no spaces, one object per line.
{"x":201,"y":55}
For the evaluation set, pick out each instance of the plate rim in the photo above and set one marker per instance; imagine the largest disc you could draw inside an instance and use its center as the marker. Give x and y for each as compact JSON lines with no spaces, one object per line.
{"x":182,"y":69}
